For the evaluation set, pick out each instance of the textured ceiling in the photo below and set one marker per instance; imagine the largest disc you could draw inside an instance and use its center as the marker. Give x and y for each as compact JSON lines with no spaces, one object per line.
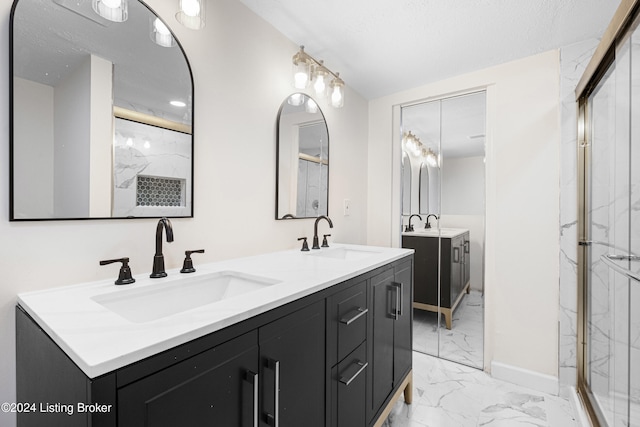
{"x":385,"y":46}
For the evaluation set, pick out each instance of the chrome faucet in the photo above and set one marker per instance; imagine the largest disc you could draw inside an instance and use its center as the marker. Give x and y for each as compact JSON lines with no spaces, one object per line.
{"x":158,"y":259}
{"x":427,"y":225}
{"x":409,"y":227}
{"x":315,"y":230}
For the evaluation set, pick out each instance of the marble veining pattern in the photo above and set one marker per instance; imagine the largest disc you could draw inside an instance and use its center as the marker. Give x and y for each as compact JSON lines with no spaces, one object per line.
{"x":463,"y":343}
{"x":447,"y":394}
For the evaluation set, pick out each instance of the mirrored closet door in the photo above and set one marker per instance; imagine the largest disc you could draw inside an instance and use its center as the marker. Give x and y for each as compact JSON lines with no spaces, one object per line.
{"x":445,"y":143}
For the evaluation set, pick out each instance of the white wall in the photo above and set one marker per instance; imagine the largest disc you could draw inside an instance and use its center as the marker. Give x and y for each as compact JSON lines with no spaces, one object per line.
{"x":523,"y":136}
{"x":34,"y":123}
{"x":72,"y":123}
{"x":242,"y":73}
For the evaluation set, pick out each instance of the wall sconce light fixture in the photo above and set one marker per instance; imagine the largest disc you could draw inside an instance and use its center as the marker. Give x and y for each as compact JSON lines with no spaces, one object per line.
{"x":307,"y":69}
{"x":113,"y":10}
{"x":192,"y":14}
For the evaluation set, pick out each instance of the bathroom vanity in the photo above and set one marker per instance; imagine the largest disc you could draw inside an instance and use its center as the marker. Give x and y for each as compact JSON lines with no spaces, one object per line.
{"x":321,"y":338}
{"x":451,"y":246}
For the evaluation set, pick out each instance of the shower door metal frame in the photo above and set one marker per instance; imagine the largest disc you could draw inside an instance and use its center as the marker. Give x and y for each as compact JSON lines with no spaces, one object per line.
{"x":602,"y":60}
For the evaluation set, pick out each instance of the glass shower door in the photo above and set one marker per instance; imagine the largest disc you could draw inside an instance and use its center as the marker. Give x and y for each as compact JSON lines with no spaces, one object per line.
{"x":613,"y":245}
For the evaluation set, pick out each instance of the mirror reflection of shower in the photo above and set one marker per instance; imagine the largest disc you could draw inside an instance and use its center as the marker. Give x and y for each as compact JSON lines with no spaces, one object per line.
{"x":443,"y":181}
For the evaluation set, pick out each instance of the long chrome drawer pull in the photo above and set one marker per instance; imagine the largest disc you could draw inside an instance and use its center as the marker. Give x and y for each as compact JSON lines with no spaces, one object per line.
{"x":252,"y":378}
{"x":608,"y":259}
{"x":359,"y":312}
{"x":362,"y":366}
{"x":274,"y":419}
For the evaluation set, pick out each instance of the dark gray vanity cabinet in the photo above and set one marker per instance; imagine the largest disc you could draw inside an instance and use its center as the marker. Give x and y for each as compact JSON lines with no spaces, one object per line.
{"x":390,"y":328}
{"x":292,"y":366}
{"x":453,"y":271}
{"x":314,"y":362}
{"x":215,"y":385}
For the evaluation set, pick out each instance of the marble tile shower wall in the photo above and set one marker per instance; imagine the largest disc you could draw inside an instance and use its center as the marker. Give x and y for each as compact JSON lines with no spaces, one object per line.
{"x":312,"y":189}
{"x":166,"y":156}
{"x":573,"y":61}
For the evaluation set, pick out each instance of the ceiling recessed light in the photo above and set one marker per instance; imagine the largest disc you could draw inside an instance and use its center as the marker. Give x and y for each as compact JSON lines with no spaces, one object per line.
{"x":178,"y":104}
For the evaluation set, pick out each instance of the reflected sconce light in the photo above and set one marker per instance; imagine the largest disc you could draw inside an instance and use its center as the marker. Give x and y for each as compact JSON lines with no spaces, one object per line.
{"x":113,"y":10}
{"x":160,"y":34}
{"x":414,"y":146}
{"x":308,"y":70}
{"x":311,"y":106}
{"x":192,"y":14}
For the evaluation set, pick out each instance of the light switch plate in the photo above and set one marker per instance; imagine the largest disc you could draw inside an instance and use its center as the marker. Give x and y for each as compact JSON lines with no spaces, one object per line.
{"x":347,"y":207}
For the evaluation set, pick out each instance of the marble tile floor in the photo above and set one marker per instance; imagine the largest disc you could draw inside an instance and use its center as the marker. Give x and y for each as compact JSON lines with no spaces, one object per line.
{"x":463,"y":343}
{"x":447,"y":394}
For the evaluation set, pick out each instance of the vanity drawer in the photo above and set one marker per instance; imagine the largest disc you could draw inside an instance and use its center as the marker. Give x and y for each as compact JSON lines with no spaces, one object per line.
{"x":347,"y":321}
{"x":349,"y":389}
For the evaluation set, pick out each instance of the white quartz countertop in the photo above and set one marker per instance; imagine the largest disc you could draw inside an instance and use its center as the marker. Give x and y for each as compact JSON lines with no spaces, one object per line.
{"x":99,"y":340}
{"x":447,"y":233}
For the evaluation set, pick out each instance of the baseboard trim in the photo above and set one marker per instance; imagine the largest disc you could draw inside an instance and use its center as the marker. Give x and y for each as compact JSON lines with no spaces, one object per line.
{"x":525,"y":378}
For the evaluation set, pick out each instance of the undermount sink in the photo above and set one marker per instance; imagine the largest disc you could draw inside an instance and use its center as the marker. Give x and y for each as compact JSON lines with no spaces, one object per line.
{"x":346,"y":254}
{"x":155,"y":302}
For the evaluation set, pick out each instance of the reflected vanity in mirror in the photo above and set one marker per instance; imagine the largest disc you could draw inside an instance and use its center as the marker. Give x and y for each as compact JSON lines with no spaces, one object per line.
{"x":302,"y":160}
{"x":101,"y":114}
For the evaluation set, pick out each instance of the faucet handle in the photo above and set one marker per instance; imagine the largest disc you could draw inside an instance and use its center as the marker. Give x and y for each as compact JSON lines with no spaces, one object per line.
{"x":305,"y":245}
{"x":325,"y":244}
{"x":187,"y":265}
{"x":124,"y":277}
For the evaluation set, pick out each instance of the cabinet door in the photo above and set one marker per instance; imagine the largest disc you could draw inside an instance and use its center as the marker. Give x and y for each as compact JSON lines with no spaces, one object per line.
{"x":216,"y":387}
{"x":426,"y":267}
{"x":292,"y":369}
{"x":402,"y":328}
{"x":381,"y":340}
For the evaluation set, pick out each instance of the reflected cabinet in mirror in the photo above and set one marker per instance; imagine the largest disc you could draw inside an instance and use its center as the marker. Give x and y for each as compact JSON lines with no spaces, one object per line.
{"x":302,"y":180}
{"x":101,"y":114}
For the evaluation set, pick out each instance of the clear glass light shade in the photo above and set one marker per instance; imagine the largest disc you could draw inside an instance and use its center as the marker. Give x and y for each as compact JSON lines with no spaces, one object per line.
{"x":113,"y":10}
{"x":337,"y":92}
{"x":192,"y":14}
{"x":160,"y":34}
{"x":301,"y":72}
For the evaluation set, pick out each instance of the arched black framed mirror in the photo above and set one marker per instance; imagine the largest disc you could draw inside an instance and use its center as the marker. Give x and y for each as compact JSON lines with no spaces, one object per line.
{"x":302,"y":160}
{"x":101,"y":114}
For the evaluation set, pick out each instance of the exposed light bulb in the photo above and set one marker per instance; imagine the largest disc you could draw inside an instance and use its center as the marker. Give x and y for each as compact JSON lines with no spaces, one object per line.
{"x":113,"y":10}
{"x":300,"y":79}
{"x":319,"y":86}
{"x":113,"y":4}
{"x":336,"y":97}
{"x":190,"y":7}
{"x":296,"y":99}
{"x":191,"y":14}
{"x":160,"y":27}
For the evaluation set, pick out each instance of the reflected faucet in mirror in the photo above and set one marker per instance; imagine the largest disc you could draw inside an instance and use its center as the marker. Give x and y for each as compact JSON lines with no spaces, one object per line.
{"x":158,"y":259}
{"x":315,"y":230}
{"x":410,"y":227}
{"x":427,"y":225}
